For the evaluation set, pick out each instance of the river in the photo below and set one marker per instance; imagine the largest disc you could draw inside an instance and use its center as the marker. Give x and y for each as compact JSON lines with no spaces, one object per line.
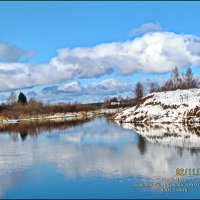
{"x":92,"y":159}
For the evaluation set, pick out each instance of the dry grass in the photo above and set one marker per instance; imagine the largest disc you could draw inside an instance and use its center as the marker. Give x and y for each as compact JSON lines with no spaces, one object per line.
{"x":37,"y":109}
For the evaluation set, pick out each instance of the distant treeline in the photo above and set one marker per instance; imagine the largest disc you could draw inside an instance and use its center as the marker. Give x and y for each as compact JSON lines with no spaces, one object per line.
{"x":33,"y":107}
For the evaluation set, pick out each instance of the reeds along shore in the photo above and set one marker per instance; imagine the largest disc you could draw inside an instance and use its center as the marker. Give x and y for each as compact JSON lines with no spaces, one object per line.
{"x":35,"y":108}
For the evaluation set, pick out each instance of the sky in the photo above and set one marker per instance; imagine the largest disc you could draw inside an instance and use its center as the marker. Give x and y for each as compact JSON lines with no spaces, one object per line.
{"x":86,"y":51}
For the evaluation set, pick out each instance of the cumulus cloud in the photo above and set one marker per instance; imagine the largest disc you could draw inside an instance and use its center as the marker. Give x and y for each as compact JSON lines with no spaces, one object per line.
{"x":110,"y":86}
{"x":12,"y":53}
{"x":84,"y":93}
{"x":148,"y":27}
{"x":154,"y":52}
{"x":73,"y":87}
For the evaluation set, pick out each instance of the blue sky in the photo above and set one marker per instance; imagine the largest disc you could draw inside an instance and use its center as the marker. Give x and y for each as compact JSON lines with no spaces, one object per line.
{"x":32,"y":33}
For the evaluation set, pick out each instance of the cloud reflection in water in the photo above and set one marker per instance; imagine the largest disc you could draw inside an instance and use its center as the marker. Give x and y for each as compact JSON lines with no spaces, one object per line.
{"x":95,"y":149}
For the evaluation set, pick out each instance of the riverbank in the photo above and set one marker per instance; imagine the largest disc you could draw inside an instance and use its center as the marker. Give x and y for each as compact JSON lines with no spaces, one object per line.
{"x":69,"y":116}
{"x":179,"y":106}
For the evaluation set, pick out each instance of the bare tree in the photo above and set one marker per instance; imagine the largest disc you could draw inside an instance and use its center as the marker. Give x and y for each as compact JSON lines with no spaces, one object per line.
{"x":153,"y":87}
{"x":183,"y":81}
{"x":188,"y":77}
{"x":175,"y":78}
{"x":169,"y":85}
{"x":106,"y":103}
{"x":120,"y":98}
{"x":177,"y":81}
{"x":191,"y":81}
{"x":139,"y":90}
{"x":12,"y":98}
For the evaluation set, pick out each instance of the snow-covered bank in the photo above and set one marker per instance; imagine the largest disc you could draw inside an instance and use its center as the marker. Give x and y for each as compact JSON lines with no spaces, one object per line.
{"x":182,"y":106}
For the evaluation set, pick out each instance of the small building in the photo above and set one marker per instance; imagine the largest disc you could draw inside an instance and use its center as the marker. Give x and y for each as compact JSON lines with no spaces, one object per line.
{"x":115,"y":103}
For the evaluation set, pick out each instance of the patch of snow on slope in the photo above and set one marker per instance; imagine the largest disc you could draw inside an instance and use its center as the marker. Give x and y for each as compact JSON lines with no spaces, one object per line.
{"x":163,"y":107}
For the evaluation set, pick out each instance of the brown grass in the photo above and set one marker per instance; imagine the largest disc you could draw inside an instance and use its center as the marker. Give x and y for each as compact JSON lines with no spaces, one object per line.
{"x":38,"y":109}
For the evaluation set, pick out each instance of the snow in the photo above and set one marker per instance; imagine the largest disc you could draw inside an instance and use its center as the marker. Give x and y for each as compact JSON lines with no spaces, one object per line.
{"x":164,"y":107}
{"x":174,"y":134}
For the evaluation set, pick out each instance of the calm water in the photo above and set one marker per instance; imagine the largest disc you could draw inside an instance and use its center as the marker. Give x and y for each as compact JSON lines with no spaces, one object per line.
{"x":93,"y":159}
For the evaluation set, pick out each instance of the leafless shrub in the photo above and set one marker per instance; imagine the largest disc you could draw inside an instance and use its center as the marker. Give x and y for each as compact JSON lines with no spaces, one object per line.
{"x":34,"y":108}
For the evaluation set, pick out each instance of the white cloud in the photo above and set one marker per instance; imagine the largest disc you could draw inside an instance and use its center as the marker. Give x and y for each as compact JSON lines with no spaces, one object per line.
{"x":74,"y":87}
{"x":109,"y":87}
{"x":85,"y":93}
{"x":12,"y":53}
{"x":148,"y":27}
{"x":155,"y":52}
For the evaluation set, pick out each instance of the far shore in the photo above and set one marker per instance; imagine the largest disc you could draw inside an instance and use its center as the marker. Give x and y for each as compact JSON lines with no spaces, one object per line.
{"x":62,"y":116}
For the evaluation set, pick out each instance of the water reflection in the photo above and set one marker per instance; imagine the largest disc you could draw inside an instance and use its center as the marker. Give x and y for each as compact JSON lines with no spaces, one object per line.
{"x":23,"y":134}
{"x":97,"y":148}
{"x":37,"y":127}
{"x":176,"y":134}
{"x":142,"y":144}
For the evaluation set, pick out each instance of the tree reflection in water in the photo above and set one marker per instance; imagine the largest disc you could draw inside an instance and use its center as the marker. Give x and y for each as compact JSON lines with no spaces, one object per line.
{"x":177,"y":135}
{"x":35,"y":128}
{"x":23,"y":134}
{"x":142,"y":144}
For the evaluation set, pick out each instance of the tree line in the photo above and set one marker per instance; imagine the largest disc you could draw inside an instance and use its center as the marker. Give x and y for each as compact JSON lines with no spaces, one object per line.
{"x":12,"y":98}
{"x":20,"y":107}
{"x":176,"y":81}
